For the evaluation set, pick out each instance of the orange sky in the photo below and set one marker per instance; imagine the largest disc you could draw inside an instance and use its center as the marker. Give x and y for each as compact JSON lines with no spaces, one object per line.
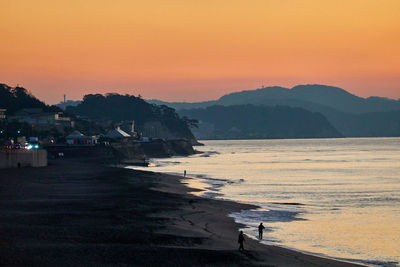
{"x":198,"y":50}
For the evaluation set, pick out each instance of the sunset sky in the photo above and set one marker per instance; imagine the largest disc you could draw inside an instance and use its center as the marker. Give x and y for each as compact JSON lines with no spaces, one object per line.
{"x":198,"y":50}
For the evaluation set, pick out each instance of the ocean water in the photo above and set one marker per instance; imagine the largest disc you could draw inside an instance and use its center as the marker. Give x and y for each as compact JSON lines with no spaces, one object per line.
{"x":338,"y":198}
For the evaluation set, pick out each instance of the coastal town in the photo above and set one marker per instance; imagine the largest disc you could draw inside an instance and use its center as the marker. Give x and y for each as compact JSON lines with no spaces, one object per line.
{"x":31,"y":136}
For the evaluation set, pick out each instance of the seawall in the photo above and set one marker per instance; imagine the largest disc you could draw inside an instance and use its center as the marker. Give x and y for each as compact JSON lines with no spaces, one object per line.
{"x":155,"y":149}
{"x":23,"y":158}
{"x":118,"y":152}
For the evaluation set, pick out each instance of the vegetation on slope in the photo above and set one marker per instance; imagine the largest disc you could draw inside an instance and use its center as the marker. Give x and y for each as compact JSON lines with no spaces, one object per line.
{"x":115,"y":108}
{"x":16,"y":98}
{"x":250,"y":121}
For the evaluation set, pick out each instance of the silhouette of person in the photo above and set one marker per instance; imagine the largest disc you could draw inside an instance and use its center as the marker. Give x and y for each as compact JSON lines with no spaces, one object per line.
{"x":241,"y":240}
{"x":260,"y":230}
{"x":184,"y":173}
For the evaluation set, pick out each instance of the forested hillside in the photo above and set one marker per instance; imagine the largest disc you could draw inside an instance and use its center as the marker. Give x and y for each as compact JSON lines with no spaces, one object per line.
{"x":250,"y":121}
{"x":16,"y":98}
{"x":150,"y":119}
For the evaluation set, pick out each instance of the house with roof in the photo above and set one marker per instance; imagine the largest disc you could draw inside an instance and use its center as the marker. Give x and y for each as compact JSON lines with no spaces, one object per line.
{"x":77,"y":138}
{"x":117,"y":133}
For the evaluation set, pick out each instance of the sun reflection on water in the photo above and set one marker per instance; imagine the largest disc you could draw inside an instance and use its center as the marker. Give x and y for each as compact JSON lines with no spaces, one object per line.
{"x":337,"y":197}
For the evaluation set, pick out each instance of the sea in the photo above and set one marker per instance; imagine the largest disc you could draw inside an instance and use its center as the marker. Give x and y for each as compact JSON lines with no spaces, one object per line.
{"x":337,"y":198}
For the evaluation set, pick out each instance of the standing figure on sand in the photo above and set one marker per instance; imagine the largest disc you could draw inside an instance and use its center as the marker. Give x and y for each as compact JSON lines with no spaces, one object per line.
{"x":260,"y":230}
{"x":241,"y":241}
{"x":184,"y":173}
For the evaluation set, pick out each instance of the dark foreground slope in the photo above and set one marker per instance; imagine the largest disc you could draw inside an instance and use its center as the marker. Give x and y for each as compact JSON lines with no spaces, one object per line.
{"x":80,"y":213}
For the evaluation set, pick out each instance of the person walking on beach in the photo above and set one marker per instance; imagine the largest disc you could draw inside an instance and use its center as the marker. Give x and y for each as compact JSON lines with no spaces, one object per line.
{"x":240,"y":241}
{"x":184,"y":173}
{"x":260,"y":230}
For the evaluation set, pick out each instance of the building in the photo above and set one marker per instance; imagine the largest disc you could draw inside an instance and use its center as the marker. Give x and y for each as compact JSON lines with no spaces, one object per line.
{"x":117,"y":133}
{"x":129,"y":128}
{"x":77,"y":138}
{"x":3,"y":114}
{"x":37,"y":117}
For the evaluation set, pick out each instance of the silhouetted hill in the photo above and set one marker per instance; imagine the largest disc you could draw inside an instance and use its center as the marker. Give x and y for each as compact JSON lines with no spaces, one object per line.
{"x":250,"y":122}
{"x":341,"y":108}
{"x":16,"y":98}
{"x":328,"y":96}
{"x":301,"y":95}
{"x":150,"y":119}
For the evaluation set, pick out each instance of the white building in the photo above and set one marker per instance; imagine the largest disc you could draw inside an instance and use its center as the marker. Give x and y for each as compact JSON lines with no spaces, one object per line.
{"x":117,"y":133}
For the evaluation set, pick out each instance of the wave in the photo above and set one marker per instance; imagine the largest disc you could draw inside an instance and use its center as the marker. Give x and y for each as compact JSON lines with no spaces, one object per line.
{"x":255,"y":216}
{"x":208,"y":154}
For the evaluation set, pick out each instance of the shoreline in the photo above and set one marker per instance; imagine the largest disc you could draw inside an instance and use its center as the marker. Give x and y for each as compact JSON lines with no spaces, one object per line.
{"x":326,"y":224}
{"x":205,"y":188}
{"x":82,"y":213}
{"x":263,"y":252}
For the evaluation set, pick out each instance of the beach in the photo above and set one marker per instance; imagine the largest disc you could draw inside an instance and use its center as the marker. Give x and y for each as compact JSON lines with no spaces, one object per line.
{"x":79,"y":212}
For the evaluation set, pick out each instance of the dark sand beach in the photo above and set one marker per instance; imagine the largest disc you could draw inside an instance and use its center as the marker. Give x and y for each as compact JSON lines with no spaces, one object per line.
{"x":82,"y":213}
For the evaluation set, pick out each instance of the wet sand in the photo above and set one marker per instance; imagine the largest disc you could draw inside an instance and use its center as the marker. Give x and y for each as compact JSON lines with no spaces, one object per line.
{"x":81,"y":213}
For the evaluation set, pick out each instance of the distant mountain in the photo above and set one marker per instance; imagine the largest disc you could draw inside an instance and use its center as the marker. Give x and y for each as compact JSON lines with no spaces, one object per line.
{"x":328,"y":96}
{"x":150,"y":120}
{"x":16,"y":98}
{"x":345,"y":111}
{"x":301,"y":95}
{"x":257,"y":122}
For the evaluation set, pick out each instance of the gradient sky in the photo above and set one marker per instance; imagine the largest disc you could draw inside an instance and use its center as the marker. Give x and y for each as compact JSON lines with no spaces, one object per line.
{"x":198,"y":50}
